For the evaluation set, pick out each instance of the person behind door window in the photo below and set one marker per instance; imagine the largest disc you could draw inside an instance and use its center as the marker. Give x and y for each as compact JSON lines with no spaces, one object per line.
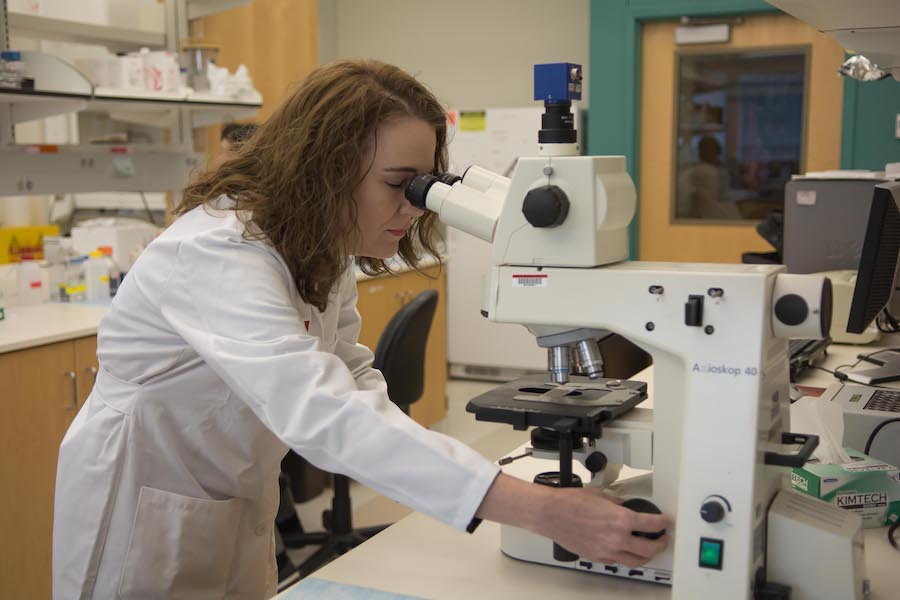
{"x":703,"y":186}
{"x":235,"y":338}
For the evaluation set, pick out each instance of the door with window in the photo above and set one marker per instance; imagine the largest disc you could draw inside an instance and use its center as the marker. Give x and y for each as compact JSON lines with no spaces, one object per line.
{"x":724,"y":126}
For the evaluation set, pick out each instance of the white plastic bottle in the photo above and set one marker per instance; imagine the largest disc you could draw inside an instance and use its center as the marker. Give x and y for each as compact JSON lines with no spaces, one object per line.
{"x":96,"y":277}
{"x":75,"y":288}
{"x":115,"y":276}
{"x":29,"y":282}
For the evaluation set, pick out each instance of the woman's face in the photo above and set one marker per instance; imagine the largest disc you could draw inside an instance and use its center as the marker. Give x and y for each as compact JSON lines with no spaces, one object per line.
{"x":404,"y":147}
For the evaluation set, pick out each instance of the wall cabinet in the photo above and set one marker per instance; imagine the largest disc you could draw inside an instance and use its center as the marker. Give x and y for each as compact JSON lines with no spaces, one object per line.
{"x":43,"y":388}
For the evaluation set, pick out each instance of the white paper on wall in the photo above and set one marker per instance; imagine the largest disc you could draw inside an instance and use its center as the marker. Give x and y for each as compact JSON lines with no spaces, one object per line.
{"x":492,"y":138}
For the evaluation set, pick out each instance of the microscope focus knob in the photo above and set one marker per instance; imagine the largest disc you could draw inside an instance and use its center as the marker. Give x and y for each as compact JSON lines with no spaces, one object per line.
{"x":642,"y":505}
{"x":595,"y":462}
{"x":713,"y":510}
{"x":546,"y":206}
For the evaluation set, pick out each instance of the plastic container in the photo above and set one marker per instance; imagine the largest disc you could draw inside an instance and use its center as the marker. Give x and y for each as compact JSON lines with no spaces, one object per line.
{"x":96,"y":277}
{"x":12,"y":69}
{"x":29,"y":282}
{"x":126,"y":72}
{"x":55,"y":258}
{"x":196,"y":57}
{"x":75,"y":281}
{"x":115,"y":277}
{"x":13,"y":63}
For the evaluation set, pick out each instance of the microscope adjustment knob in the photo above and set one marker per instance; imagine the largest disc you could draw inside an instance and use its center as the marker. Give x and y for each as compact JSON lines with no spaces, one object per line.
{"x":595,"y":462}
{"x":643,"y":505}
{"x":546,"y":206}
{"x":713,"y":511}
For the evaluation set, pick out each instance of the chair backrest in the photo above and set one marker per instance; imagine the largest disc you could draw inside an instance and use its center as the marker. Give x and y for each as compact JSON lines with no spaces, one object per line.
{"x":400,"y":353}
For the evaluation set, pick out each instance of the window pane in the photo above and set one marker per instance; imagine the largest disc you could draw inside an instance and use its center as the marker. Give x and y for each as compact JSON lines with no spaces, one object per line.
{"x":739,"y":133}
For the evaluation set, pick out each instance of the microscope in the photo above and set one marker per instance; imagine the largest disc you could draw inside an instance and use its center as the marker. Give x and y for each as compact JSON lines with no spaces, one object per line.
{"x":715,"y":446}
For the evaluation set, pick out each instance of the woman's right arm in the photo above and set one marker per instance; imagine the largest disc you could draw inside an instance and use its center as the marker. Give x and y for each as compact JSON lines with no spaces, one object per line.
{"x":582,"y":520}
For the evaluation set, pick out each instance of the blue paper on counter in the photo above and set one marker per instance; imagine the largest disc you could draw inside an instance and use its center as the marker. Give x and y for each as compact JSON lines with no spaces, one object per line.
{"x":319,"y":588}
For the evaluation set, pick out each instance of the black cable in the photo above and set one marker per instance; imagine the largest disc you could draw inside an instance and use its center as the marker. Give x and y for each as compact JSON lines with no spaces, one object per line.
{"x":840,"y":376}
{"x":822,"y":369}
{"x":875,"y":432}
{"x":890,"y":534}
{"x":891,"y":320}
{"x":147,"y":208}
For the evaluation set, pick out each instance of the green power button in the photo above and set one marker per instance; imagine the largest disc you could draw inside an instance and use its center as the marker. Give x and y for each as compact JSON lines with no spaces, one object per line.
{"x":711,"y":553}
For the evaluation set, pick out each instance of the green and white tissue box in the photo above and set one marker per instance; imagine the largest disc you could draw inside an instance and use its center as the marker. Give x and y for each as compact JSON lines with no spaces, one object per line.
{"x":865,"y":485}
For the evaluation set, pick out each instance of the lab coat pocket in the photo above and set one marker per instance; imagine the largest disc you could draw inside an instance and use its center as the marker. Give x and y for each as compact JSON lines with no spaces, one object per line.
{"x":180,"y":547}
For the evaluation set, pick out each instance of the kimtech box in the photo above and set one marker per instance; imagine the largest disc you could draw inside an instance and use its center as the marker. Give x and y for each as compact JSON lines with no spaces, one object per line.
{"x":867,"y":486}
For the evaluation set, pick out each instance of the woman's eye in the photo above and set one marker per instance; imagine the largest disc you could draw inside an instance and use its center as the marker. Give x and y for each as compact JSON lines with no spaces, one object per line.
{"x":396,"y":185}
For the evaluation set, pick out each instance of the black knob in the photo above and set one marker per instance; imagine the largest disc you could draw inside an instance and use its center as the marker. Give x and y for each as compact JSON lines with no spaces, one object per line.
{"x":712,"y":511}
{"x":791,"y":309}
{"x":546,"y":206}
{"x":595,"y":462}
{"x":644,"y":506}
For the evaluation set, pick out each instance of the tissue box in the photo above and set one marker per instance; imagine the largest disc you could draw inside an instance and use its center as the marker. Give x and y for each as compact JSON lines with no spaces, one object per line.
{"x":867,"y":486}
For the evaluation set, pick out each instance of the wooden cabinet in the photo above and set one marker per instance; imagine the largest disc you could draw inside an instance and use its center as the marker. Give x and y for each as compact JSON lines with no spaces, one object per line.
{"x":43,"y":388}
{"x":379,"y":300}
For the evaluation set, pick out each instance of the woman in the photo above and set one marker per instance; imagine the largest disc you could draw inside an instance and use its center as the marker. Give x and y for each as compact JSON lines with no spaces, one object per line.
{"x":234,"y":338}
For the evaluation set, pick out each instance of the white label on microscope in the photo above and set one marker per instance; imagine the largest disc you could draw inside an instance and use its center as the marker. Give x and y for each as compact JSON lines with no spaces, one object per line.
{"x":806,"y":197}
{"x":531,"y":280}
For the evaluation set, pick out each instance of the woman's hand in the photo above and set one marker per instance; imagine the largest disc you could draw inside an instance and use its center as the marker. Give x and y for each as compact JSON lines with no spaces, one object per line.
{"x":582,"y":520}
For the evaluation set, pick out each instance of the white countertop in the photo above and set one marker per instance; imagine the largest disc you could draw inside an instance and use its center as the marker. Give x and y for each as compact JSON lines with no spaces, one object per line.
{"x":29,"y":326}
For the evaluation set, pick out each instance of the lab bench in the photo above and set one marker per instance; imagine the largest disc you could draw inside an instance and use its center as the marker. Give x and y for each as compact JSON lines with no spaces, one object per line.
{"x":48,"y":359}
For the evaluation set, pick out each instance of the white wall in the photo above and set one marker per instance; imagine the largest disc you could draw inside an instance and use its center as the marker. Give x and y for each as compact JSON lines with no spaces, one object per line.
{"x":471,"y":53}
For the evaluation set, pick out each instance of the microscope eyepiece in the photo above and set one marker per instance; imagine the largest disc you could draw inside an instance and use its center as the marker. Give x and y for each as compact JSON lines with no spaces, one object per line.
{"x":449,"y":178}
{"x":417,"y":190}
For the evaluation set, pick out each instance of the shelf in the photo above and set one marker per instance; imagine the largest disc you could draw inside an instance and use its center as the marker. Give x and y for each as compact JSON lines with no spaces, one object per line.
{"x":160,"y":109}
{"x":119,"y":201}
{"x":70,"y":91}
{"x":84,"y":33}
{"x":31,"y":105}
{"x":50,"y":169}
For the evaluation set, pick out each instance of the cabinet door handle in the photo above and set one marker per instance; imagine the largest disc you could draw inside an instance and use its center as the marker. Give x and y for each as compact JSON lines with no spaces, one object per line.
{"x":93,"y":372}
{"x":74,"y":378}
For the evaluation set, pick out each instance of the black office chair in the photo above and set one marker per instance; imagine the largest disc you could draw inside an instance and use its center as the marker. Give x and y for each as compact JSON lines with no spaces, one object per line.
{"x":400,"y":356}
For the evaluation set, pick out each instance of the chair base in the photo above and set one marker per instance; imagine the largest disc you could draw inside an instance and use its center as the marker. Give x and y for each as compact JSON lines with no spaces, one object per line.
{"x":339,"y":536}
{"x":333,"y":545}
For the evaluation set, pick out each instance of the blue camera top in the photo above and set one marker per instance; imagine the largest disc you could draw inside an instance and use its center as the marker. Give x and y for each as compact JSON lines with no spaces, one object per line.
{"x":557,"y":82}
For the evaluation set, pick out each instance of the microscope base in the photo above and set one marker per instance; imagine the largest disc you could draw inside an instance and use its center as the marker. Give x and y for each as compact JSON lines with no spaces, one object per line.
{"x":524,"y":545}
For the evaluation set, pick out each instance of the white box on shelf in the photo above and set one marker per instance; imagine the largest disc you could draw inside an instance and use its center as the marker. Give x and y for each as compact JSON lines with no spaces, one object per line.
{"x":126,"y":237}
{"x":126,"y":73}
{"x":161,"y":73}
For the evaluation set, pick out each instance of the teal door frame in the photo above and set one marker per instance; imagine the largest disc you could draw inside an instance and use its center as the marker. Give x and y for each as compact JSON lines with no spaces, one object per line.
{"x":615,"y":65}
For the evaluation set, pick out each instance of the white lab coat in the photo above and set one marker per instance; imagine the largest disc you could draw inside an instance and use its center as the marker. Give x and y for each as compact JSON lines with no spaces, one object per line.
{"x":167,"y":479}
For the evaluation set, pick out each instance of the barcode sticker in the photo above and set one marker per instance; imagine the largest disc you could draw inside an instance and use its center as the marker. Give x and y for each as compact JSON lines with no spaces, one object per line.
{"x":531,"y":280}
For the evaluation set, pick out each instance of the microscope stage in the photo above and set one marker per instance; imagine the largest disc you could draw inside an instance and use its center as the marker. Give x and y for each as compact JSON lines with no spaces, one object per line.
{"x":582,"y":406}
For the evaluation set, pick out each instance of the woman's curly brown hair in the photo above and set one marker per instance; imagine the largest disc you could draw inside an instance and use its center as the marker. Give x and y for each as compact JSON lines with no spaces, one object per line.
{"x":294,"y":178}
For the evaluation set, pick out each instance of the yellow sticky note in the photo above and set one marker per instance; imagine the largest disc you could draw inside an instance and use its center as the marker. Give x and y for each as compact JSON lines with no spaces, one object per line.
{"x":472,"y":120}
